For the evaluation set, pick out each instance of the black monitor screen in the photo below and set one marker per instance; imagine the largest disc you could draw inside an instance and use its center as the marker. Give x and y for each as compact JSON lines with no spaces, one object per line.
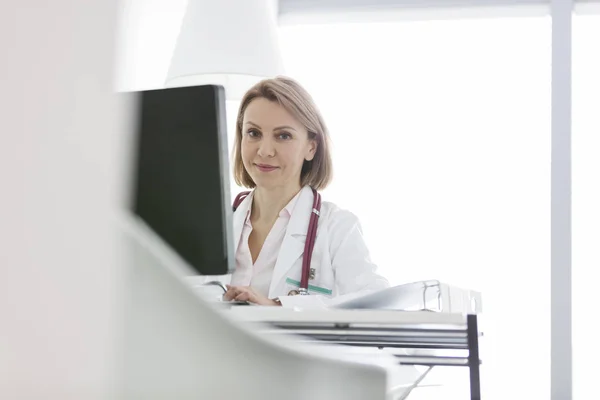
{"x":181,"y":188}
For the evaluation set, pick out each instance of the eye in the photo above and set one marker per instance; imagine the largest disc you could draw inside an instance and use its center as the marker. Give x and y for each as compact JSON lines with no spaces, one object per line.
{"x":284,"y":136}
{"x":253,"y":133}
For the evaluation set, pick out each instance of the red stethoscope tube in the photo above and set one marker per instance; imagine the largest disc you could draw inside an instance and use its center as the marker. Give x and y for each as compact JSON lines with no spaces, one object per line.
{"x":309,"y":245}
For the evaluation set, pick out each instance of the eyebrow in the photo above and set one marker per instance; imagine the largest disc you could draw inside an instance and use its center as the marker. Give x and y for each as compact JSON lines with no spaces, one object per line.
{"x":278,"y":128}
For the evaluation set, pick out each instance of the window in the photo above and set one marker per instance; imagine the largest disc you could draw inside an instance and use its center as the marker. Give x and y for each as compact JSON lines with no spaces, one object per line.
{"x":586,"y":201}
{"x":441,"y":134}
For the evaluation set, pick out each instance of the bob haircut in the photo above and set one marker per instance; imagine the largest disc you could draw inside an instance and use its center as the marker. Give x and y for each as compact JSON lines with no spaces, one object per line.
{"x":286,"y":92}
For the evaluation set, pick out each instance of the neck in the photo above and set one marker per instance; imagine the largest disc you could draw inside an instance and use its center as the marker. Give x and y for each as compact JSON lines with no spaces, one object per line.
{"x":268,"y":202}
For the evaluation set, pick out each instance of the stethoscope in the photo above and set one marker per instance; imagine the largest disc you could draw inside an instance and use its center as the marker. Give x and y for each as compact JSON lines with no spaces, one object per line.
{"x":309,"y":245}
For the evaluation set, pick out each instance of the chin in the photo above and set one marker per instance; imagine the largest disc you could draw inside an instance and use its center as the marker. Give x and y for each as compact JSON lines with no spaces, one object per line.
{"x":267,"y":183}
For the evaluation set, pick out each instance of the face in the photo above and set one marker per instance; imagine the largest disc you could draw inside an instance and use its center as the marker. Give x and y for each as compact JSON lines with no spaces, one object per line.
{"x":274,"y":144}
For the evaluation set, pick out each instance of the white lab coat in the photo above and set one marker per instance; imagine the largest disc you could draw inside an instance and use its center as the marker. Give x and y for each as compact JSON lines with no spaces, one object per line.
{"x":343,"y":268}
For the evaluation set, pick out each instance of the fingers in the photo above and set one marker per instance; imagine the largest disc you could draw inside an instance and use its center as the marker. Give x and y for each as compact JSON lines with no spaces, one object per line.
{"x":238,"y":293}
{"x":231,"y":293}
{"x":245,"y":293}
{"x":244,"y":296}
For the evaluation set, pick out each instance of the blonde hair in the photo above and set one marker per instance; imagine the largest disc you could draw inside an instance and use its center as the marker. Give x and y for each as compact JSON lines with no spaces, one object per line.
{"x":316,"y":173}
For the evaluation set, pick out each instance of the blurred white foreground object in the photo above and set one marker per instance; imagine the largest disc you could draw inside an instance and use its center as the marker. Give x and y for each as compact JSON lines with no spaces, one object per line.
{"x":175,"y":345}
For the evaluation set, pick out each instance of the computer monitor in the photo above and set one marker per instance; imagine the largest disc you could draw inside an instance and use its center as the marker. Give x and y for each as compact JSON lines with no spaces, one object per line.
{"x":181,"y":173}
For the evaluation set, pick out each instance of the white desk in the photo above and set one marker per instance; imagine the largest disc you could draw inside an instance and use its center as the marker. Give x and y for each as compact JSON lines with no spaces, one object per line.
{"x":394,"y":339}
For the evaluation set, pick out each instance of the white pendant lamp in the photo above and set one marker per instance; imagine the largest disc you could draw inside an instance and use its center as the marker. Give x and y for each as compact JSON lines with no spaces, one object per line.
{"x":232,"y":43}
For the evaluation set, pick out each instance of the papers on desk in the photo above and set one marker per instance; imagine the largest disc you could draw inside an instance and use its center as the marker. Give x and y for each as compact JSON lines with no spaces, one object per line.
{"x":431,"y":295}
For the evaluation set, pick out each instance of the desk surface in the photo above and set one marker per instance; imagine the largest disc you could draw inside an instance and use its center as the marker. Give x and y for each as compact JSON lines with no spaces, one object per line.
{"x":376,"y":317}
{"x":404,"y":342}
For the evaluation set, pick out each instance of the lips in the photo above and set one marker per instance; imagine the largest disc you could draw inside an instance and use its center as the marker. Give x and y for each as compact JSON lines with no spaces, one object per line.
{"x":266,"y":167}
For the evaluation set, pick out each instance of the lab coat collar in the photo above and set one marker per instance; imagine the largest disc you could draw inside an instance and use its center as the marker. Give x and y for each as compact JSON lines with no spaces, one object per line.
{"x":297,"y":224}
{"x":292,"y":247}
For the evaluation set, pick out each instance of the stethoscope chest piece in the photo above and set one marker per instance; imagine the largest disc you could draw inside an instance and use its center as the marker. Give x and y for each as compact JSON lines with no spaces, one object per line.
{"x":299,"y":291}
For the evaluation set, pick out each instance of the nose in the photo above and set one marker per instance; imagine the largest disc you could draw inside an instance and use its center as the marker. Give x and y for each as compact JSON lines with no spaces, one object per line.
{"x":266,"y":148}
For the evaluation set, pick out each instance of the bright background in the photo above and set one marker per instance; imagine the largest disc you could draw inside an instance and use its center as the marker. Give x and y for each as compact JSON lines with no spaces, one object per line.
{"x":586,"y":203}
{"x":441,"y":134}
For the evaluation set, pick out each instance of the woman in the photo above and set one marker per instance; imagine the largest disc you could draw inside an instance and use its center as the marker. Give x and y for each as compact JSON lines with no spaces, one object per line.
{"x":282,"y":152}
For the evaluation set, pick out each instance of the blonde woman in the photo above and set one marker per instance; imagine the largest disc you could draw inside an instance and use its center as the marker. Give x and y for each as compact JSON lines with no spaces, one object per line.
{"x":282,"y":153}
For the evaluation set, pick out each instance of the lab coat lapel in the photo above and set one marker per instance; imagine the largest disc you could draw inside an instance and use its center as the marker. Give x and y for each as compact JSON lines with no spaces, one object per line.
{"x":292,"y":247}
{"x":239,"y":218}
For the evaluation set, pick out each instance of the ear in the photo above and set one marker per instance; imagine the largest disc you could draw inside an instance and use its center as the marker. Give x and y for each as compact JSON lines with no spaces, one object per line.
{"x":312,"y":149}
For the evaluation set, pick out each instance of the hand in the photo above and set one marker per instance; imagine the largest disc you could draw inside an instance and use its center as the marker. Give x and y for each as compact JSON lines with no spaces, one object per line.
{"x":246,"y":293}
